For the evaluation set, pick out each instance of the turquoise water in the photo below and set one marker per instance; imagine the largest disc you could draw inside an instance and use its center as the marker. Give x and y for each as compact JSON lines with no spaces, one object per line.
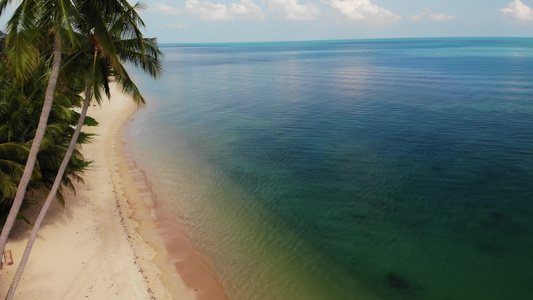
{"x":319,"y":170}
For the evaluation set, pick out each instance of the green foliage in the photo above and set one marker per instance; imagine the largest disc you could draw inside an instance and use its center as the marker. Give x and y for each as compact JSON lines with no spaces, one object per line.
{"x":2,"y":40}
{"x":97,"y":37}
{"x":90,"y":121}
{"x":20,"y":108}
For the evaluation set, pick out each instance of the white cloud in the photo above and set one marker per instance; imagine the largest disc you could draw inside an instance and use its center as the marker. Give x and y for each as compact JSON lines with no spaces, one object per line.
{"x":364,"y":10}
{"x":208,"y":11}
{"x":167,"y":9}
{"x":178,"y":26}
{"x":433,"y":17}
{"x":292,"y":10}
{"x":518,"y":10}
{"x":441,"y":17}
{"x":246,"y":9}
{"x":421,"y":16}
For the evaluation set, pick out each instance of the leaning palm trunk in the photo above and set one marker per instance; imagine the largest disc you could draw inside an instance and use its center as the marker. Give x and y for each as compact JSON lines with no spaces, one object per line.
{"x":48,"y":202}
{"x":36,"y":144}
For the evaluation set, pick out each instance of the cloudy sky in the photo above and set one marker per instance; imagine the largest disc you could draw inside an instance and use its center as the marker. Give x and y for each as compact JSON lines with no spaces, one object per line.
{"x":186,"y":21}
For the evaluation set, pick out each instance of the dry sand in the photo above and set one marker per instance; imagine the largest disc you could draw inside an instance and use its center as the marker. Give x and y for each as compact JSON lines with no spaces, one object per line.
{"x":91,"y":249}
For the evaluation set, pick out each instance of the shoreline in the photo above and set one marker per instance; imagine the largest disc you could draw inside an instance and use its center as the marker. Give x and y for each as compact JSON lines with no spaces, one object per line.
{"x":97,"y":246}
{"x":175,"y":255}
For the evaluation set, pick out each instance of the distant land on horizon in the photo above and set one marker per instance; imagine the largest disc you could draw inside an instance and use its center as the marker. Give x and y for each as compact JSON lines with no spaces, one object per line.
{"x":321,"y":41}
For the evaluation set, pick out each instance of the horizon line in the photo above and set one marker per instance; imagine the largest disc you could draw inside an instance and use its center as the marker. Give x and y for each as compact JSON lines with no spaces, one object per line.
{"x":170,"y":44}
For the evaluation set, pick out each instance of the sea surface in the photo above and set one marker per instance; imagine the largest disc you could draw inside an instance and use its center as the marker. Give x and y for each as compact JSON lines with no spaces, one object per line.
{"x":353,"y":169}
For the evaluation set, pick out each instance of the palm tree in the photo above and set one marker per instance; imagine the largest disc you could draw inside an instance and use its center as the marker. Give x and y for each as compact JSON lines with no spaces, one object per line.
{"x":10,"y":168}
{"x":19,"y":112}
{"x":14,"y":113}
{"x":34,"y":19}
{"x":97,"y":66}
{"x":25,"y":31}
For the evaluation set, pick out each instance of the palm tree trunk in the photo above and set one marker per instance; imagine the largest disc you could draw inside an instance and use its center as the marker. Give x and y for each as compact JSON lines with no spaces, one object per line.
{"x":48,"y":202}
{"x":39,"y":135}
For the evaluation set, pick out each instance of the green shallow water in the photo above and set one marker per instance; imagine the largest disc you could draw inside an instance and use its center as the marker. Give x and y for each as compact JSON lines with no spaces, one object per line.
{"x":320,"y":171}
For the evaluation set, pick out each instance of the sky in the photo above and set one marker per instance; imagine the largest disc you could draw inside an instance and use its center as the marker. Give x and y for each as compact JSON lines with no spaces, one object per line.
{"x":219,"y":21}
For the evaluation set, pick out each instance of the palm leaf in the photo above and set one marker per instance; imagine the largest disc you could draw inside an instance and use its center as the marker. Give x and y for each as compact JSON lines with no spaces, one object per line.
{"x":8,"y":187}
{"x":89,"y":121}
{"x":14,"y":151}
{"x":22,"y":42}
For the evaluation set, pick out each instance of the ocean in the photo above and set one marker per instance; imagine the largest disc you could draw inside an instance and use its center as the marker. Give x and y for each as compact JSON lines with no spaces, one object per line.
{"x":354,"y":169}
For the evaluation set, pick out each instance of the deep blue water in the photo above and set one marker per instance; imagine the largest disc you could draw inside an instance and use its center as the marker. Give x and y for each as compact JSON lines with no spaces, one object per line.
{"x":372,"y":169}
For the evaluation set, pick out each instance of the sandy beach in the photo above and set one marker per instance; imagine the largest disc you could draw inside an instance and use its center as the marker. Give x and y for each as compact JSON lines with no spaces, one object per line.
{"x":92,"y":249}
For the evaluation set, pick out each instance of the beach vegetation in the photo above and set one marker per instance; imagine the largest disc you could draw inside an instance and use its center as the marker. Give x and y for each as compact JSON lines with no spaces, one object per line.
{"x":19,"y":108}
{"x":29,"y":32}
{"x":2,"y":40}
{"x":99,"y":37}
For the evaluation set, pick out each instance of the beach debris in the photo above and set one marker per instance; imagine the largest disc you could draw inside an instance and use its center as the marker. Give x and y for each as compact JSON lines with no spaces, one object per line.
{"x":398,"y":282}
{"x":7,"y":259}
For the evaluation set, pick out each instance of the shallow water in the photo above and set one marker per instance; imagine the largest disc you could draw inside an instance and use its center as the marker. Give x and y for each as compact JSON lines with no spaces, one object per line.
{"x":318,"y":170}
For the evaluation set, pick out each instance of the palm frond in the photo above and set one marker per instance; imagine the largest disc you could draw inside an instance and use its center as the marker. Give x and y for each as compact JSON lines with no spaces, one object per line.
{"x":14,"y":150}
{"x":85,"y":138}
{"x":149,"y":60}
{"x":129,"y":87}
{"x":89,"y":121}
{"x":68,"y":13}
{"x":12,"y":168}
{"x":8,"y":187}
{"x":22,"y":42}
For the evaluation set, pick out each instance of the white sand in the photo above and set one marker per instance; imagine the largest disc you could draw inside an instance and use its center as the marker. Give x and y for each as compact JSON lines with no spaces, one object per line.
{"x":90,"y":249}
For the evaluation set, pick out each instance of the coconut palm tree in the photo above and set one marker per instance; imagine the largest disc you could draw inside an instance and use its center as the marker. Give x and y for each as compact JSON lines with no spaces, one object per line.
{"x":19,"y":110}
{"x":23,"y":42}
{"x":97,"y":66}
{"x":13,"y":151}
{"x":35,"y":19}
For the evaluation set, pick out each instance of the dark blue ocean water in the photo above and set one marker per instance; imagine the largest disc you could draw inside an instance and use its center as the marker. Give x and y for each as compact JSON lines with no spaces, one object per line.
{"x":372,"y":169}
